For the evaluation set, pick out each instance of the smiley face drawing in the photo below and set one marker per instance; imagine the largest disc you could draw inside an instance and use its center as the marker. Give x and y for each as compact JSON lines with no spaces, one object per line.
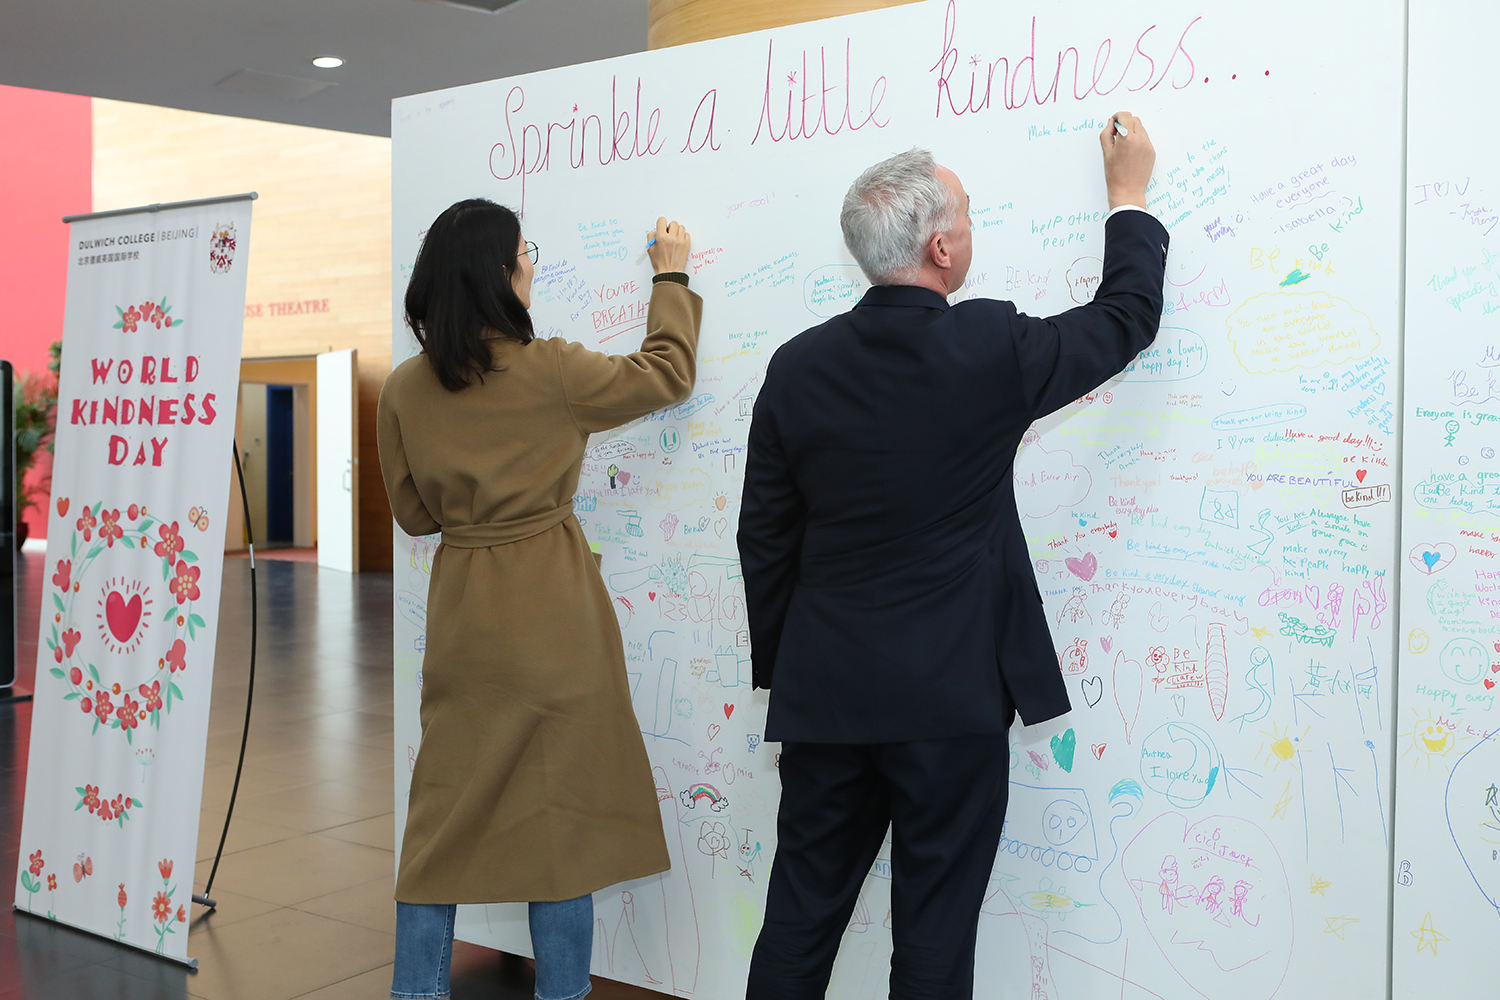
{"x":1464,"y":661}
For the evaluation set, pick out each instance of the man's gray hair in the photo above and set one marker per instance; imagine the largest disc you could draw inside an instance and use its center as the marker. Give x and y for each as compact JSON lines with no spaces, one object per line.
{"x":891,"y":211}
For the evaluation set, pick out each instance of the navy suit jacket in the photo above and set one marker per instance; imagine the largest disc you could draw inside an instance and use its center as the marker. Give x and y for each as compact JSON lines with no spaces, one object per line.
{"x":888,"y":586}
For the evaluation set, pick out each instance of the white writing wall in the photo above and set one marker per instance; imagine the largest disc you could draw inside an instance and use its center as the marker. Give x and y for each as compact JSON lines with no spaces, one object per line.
{"x":1214,"y":532}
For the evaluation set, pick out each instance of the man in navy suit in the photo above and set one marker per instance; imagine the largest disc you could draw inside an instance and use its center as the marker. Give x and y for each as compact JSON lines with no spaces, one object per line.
{"x":893,"y":611}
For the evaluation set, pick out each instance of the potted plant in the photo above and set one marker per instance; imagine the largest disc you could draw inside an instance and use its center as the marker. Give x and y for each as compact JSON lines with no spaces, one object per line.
{"x":34,"y":421}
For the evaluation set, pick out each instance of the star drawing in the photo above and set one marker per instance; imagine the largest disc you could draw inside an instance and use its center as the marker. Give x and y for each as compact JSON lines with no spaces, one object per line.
{"x":1427,"y":936}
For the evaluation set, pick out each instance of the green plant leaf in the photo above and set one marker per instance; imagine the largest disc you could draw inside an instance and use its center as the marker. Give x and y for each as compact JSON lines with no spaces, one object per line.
{"x":94,"y":673}
{"x":94,"y":552}
{"x":187,"y":556}
{"x":57,"y":672}
{"x":79,"y":805}
{"x":174,"y":689}
{"x":119,"y":326}
{"x":57,"y":601}
{"x":96,"y":726}
{"x":119,"y":310}
{"x":197,"y":619}
{"x":164,"y":572}
{"x":75,"y":545}
{"x":71,"y":695}
{"x":170,"y":613}
{"x":130,"y":736}
{"x":80,"y":790}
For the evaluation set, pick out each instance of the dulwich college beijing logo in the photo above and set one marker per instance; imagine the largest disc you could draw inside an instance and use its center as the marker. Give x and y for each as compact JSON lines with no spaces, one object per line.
{"x":222,"y":241}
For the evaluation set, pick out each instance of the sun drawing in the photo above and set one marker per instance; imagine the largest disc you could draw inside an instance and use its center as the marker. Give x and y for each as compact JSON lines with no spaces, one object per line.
{"x":1284,"y":747}
{"x":1429,"y":739}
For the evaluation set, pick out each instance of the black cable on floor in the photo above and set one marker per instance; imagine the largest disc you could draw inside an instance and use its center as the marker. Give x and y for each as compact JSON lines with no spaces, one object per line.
{"x":249,"y":695}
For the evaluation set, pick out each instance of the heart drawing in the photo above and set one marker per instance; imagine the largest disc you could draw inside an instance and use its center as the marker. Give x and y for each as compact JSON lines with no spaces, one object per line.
{"x":1063,"y":748}
{"x":1432,"y":557}
{"x":1084,"y":568}
{"x":122,"y":616}
{"x":1093,"y":690}
{"x":62,"y":506}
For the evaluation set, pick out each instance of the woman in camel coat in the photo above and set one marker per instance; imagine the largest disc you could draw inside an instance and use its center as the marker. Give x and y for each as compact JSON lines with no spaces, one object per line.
{"x":532,"y":782}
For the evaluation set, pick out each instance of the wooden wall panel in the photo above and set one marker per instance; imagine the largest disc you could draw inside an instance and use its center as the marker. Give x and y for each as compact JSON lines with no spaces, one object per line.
{"x":320,"y":246}
{"x":676,"y":22}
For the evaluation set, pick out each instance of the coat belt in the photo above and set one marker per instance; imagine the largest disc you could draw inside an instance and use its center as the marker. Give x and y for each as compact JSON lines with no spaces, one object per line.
{"x":483,"y":536}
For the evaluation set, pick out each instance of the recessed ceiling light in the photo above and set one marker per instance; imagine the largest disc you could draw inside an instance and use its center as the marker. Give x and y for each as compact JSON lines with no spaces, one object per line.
{"x":328,"y":62}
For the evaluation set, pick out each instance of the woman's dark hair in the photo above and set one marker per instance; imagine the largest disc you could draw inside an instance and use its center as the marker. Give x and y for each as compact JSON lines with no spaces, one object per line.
{"x":461,"y":286}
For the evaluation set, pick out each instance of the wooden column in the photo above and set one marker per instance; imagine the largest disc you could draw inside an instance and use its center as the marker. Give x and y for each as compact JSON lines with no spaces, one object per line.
{"x":676,"y":22}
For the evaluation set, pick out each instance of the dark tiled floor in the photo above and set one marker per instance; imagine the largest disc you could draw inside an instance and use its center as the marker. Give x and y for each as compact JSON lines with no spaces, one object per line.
{"x":304,"y":888}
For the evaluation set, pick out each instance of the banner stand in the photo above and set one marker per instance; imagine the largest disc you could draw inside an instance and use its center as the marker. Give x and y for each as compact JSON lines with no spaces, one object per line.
{"x":204,"y":899}
{"x":147,"y":399}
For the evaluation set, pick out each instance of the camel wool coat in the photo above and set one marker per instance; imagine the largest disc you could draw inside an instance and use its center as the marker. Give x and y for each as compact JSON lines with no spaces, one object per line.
{"x":532,"y":781}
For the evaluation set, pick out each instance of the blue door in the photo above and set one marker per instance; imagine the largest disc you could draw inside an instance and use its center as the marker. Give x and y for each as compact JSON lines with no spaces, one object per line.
{"x":279,"y":467}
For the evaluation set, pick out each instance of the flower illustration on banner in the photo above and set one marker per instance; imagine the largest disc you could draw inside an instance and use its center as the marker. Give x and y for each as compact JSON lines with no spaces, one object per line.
{"x":161,"y":906}
{"x":109,"y":527}
{"x":31,"y":877}
{"x":176,"y":657}
{"x":223,"y":239}
{"x":157,"y":314}
{"x":171,"y":543}
{"x":126,"y":619}
{"x":122,"y":899}
{"x":184,"y":585}
{"x":115,"y":810}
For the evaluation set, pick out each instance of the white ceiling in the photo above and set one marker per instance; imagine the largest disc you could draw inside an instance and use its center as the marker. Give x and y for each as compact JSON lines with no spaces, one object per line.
{"x":174,"y":53}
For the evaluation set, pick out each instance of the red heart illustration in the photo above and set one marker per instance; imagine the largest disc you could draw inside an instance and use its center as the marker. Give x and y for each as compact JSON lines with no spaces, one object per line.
{"x":62,"y":506}
{"x":713,"y":730}
{"x":1360,"y":475}
{"x":1497,"y":647}
{"x":1495,"y":668}
{"x":1488,"y":683}
{"x":1098,"y":749}
{"x":1113,"y":532}
{"x":728,"y":711}
{"x":122,"y":617}
{"x":651,"y":594}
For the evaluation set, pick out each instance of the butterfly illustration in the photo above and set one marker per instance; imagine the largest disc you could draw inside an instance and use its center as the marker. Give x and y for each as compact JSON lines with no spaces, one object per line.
{"x":199,"y":517}
{"x":82,"y":868}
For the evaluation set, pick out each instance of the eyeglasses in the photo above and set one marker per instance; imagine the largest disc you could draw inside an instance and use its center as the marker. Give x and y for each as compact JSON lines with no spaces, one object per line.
{"x":531,"y":251}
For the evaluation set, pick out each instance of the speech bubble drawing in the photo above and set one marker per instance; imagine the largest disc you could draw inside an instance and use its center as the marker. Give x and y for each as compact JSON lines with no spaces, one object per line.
{"x":1176,"y":354}
{"x":1472,"y":805}
{"x":1047,"y":481}
{"x":1289,"y":331}
{"x":1215,"y":898}
{"x":833,"y":288}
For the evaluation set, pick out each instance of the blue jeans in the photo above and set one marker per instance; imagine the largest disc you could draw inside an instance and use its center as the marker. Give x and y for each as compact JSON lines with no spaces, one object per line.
{"x":562,"y":935}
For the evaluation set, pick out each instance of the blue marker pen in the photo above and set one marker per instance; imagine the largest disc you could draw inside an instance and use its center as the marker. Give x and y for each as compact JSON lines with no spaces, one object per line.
{"x":649,"y":244}
{"x":1120,"y":128}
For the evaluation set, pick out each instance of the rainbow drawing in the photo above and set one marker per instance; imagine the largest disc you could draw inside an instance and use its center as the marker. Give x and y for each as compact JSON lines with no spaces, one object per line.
{"x":695,"y":794}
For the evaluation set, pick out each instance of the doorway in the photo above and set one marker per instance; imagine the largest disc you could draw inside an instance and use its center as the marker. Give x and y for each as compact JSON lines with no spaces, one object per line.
{"x":298,"y":446}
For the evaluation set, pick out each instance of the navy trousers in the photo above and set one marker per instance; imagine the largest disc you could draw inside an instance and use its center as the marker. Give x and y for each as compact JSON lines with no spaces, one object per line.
{"x":944,"y":803}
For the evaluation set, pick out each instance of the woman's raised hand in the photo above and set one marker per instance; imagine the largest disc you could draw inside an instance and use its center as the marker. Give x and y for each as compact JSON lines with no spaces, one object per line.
{"x":670,"y":251}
